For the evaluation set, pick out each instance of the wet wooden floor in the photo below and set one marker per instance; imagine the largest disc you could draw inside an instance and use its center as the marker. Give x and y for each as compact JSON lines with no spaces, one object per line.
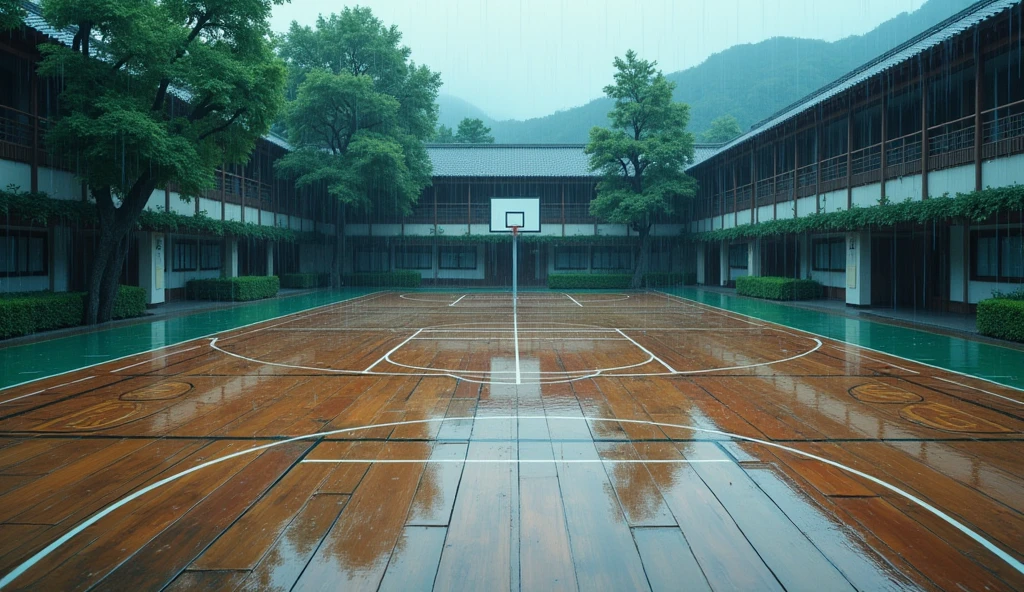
{"x":446,"y":441}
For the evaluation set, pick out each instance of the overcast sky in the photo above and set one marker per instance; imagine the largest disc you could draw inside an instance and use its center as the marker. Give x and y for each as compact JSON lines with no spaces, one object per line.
{"x":528,"y":58}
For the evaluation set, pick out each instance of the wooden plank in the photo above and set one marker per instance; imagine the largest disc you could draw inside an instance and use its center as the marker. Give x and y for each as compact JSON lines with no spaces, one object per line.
{"x":14,"y":455}
{"x":635,"y":489}
{"x":206,"y":580}
{"x":356,"y":551}
{"x":245,"y":541}
{"x":938,"y":561}
{"x":281,"y":566}
{"x":435,"y":496}
{"x":544,"y":550}
{"x":414,"y":562}
{"x":668,"y":561}
{"x":346,"y":476}
{"x":155,"y":565}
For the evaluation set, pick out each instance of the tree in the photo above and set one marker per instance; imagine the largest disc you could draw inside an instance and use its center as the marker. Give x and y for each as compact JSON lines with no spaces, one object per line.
{"x":154,"y":92}
{"x":722,"y":130}
{"x":359,"y":113}
{"x":643,"y":155}
{"x":473,"y":131}
{"x":11,"y":14}
{"x":444,"y":135}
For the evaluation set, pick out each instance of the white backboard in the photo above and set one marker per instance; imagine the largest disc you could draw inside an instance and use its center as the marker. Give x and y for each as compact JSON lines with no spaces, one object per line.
{"x":507,"y":212}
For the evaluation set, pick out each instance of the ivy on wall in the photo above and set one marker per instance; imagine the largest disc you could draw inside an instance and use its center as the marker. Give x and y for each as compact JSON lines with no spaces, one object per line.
{"x":38,"y":208}
{"x":975,"y":206}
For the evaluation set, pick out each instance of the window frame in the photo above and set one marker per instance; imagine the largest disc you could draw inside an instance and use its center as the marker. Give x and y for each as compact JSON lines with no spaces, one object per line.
{"x":620,"y":253}
{"x":581,"y":252}
{"x":17,"y":237}
{"x":461,"y":254}
{"x":176,"y":260}
{"x":746,"y":255}
{"x":998,"y":235}
{"x":375,"y":255}
{"x":401,"y":252}
{"x":832,"y":265}
{"x":203,"y":246}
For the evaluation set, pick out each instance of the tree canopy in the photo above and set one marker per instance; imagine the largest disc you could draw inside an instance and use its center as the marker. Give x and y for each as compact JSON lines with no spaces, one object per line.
{"x":358,"y":114}
{"x":722,"y":130}
{"x":642,"y":156}
{"x":444,"y":135}
{"x":155,"y":92}
{"x":473,"y":131}
{"x":11,"y":14}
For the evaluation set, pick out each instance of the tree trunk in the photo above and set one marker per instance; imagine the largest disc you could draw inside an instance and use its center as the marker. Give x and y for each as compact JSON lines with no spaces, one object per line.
{"x":111,"y":279}
{"x":338,"y":262}
{"x":641,"y":261}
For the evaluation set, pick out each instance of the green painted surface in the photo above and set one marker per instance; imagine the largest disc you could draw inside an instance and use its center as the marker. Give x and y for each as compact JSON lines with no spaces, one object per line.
{"x":999,"y":364}
{"x":22,"y":363}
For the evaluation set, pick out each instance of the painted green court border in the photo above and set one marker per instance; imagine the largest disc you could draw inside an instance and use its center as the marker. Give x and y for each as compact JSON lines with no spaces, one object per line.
{"x":33,"y":361}
{"x":1001,"y":365}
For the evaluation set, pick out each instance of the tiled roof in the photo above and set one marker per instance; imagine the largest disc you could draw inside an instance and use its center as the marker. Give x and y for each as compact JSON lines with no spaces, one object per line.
{"x":509,"y":160}
{"x":947,"y":29}
{"x":702,"y":152}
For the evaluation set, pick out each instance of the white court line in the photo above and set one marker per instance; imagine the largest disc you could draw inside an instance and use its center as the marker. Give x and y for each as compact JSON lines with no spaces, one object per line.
{"x":648,"y":352}
{"x":573,"y":299}
{"x":457,"y":301}
{"x":516,"y":461}
{"x":507,"y":338}
{"x":393,"y":350}
{"x":155,"y":359}
{"x":47,"y":389}
{"x":864,"y":347}
{"x":40,"y":555}
{"x":166,"y":345}
{"x":974,"y":388}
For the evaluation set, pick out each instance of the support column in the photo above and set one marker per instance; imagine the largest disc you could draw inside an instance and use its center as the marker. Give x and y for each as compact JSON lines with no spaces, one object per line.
{"x":151,"y":266}
{"x":229,"y":269}
{"x":270,"y":258}
{"x":723,"y":262}
{"x":754,"y":258}
{"x":701,"y":277}
{"x":978,"y":66}
{"x":858,"y":268}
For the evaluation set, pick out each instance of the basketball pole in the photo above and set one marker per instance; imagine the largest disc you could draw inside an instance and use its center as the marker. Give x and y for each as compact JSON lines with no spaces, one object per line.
{"x":515,"y":264}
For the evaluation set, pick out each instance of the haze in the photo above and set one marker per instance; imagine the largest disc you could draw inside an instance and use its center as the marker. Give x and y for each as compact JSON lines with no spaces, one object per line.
{"x":528,"y":58}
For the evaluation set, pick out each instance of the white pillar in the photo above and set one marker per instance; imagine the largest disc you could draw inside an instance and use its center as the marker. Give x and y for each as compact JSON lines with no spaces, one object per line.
{"x":230,"y":267}
{"x":270,"y":258}
{"x":754,"y":257}
{"x":723,"y":262}
{"x":152,"y":246}
{"x":805,"y":256}
{"x":858,"y":268}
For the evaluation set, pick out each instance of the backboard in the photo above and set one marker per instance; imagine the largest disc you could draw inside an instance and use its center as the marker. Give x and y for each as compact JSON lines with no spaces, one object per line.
{"x":507,"y":212}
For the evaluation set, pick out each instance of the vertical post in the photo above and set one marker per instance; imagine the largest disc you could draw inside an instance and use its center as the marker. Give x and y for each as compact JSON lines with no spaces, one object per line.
{"x":817,"y":168}
{"x":735,"y":195}
{"x":849,"y":151}
{"x":563,"y":210}
{"x":978,"y":65}
{"x":515,"y":266}
{"x":924,"y":137}
{"x":753,"y":184}
{"x":796,"y":171}
{"x":775,"y":178}
{"x":34,"y":160}
{"x":469,"y":208}
{"x":885,"y":117}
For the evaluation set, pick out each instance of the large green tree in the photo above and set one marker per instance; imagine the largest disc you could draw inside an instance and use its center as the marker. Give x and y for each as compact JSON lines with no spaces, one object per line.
{"x":359,"y":113}
{"x":642,"y":156}
{"x":155,"y":92}
{"x":473,"y":131}
{"x":722,"y":130}
{"x":11,"y":14}
{"x":444,"y":135}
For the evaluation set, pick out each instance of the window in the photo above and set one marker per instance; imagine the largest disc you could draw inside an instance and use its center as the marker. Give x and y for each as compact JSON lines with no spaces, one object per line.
{"x":829,"y":254}
{"x":23,"y":254}
{"x":414,"y":257}
{"x":457,"y":258}
{"x":611,"y":258}
{"x":997,"y":255}
{"x":570,"y":257}
{"x":738,"y":256}
{"x":210,"y":255}
{"x":186,"y":255}
{"x":370,"y":260}
{"x":660,"y":259}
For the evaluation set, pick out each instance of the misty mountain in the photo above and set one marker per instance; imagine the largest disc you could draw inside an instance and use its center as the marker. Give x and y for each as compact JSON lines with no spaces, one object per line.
{"x":748,"y":81}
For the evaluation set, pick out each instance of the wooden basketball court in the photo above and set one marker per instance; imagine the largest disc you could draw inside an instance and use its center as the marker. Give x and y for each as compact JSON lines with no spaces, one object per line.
{"x":454,"y":441}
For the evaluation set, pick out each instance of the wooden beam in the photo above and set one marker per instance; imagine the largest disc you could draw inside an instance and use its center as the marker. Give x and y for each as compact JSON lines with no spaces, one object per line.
{"x":924,"y":138}
{"x":885,"y":117}
{"x":979,"y":64}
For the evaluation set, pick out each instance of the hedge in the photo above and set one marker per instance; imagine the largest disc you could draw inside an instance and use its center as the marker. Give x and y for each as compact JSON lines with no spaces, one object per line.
{"x":663,"y":279}
{"x":392,"y":279}
{"x":589,"y":281}
{"x":31,"y":312}
{"x":1001,"y":318}
{"x":778,"y":288}
{"x":300,"y":280}
{"x":238,"y":289}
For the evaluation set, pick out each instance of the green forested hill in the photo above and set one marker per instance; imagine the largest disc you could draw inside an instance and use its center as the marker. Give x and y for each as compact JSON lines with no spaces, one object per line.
{"x":749,"y":81}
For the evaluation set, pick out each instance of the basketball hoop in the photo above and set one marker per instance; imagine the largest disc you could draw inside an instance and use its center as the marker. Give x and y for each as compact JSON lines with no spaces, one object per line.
{"x":515,"y":230}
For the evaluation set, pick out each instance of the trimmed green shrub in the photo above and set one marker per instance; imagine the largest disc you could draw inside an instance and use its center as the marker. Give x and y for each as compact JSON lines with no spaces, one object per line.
{"x":391,"y":279}
{"x":662,"y":279}
{"x":130,"y":302}
{"x":589,"y":281}
{"x":302,"y":281}
{"x":239,"y":289}
{"x":1001,"y":318}
{"x":778,"y":288}
{"x":23,"y":313}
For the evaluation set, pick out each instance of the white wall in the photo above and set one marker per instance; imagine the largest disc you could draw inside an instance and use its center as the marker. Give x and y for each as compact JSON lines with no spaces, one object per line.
{"x":951,"y":181}
{"x":866,"y":196}
{"x":15,"y":173}
{"x":58,"y":184}
{"x":211,"y":207}
{"x":833,"y":201}
{"x":904,"y":188}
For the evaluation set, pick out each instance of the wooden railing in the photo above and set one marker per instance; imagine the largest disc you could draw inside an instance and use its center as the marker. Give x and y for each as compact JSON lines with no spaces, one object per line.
{"x":903,"y":156}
